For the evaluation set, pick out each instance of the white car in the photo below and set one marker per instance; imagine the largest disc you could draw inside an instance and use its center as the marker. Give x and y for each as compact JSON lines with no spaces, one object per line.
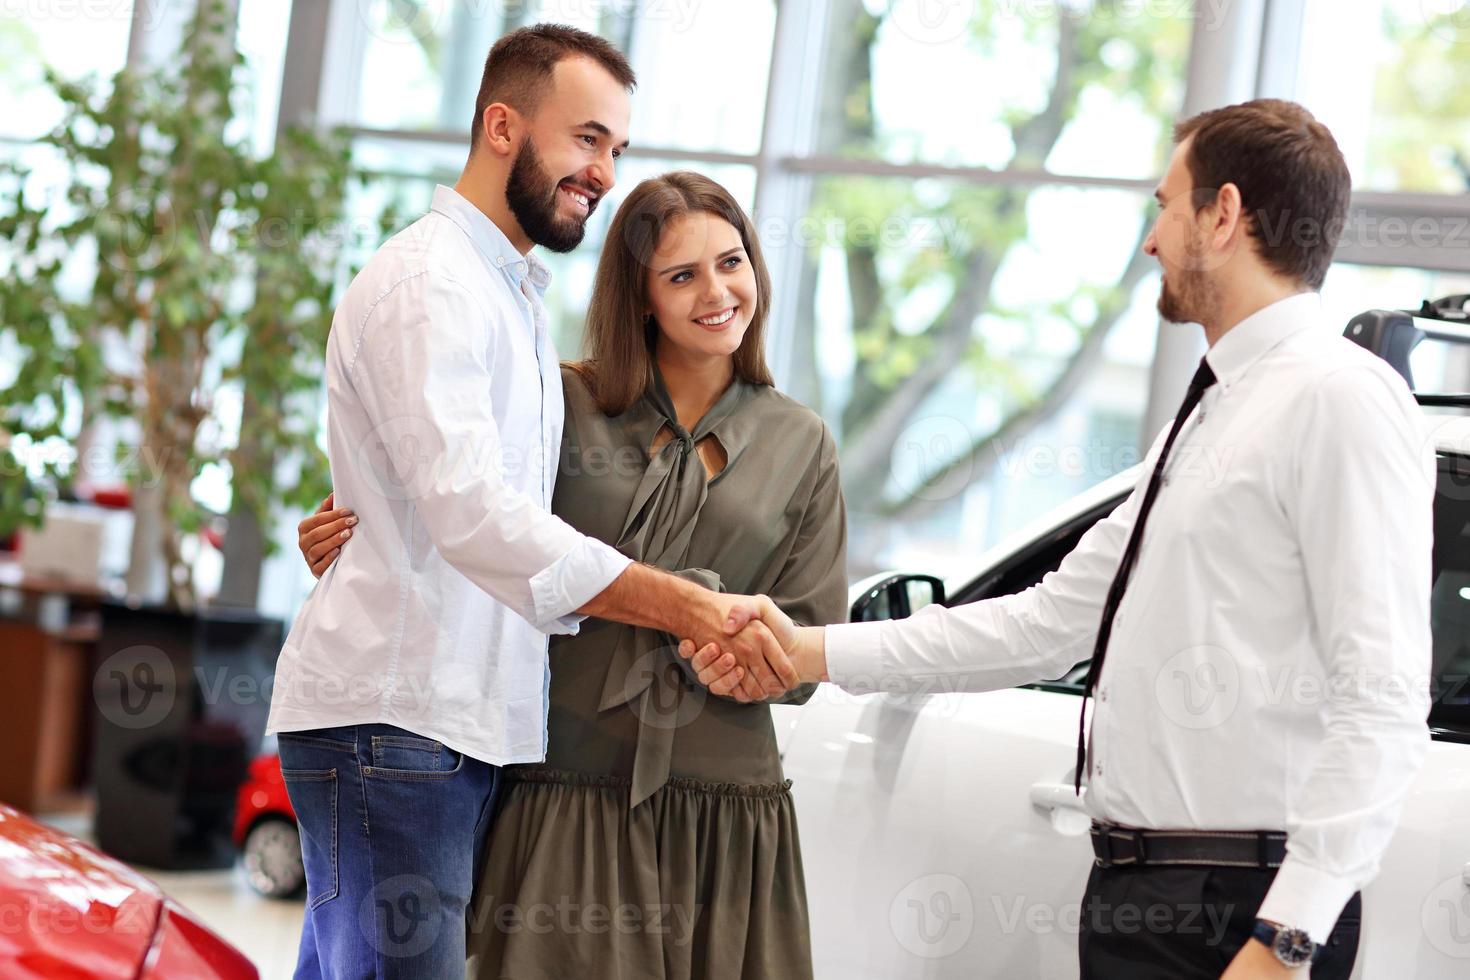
{"x":941,"y":835}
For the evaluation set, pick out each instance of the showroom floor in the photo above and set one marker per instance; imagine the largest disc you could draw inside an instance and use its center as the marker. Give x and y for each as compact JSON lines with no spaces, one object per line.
{"x":265,"y":929}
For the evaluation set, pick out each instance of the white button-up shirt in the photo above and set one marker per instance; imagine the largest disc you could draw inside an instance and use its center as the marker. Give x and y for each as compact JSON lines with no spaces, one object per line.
{"x":1269,"y":663}
{"x":444,"y":427}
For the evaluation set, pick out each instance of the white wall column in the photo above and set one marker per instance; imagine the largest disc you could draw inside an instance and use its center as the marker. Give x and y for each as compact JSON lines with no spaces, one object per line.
{"x":783,"y":195}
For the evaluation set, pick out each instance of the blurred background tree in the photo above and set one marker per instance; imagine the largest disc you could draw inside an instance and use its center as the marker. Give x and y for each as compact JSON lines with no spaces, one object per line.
{"x":899,"y":364}
{"x":1422,"y":99}
{"x":204,"y":267}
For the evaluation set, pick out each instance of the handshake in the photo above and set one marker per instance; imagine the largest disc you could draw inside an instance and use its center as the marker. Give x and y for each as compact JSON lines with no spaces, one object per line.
{"x":744,"y":647}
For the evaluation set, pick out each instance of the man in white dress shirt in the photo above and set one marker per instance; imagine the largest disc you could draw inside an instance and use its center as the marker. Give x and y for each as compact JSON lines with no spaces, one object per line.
{"x":418,"y":666}
{"x":1286,"y":565}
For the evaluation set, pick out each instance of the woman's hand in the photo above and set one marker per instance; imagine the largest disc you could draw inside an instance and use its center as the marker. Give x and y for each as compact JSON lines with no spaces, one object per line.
{"x":321,"y":536}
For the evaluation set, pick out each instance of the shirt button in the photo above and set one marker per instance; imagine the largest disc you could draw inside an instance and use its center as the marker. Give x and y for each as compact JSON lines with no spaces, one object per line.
{"x":1097,"y":769}
{"x":1103,"y":694}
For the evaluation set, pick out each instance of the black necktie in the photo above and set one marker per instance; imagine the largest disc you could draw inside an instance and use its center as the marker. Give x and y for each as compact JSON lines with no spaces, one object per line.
{"x":1202,"y":379}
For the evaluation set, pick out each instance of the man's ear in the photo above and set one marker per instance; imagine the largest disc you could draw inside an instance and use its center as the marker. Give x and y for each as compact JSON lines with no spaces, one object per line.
{"x":499,"y":124}
{"x":1229,"y":216}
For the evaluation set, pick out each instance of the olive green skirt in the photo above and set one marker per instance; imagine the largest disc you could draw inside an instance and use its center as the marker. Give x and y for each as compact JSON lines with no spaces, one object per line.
{"x":702,"y":881}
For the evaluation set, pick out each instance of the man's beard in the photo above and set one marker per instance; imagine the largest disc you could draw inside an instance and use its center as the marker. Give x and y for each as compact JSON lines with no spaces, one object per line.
{"x":1188,"y":294}
{"x":533,"y":199}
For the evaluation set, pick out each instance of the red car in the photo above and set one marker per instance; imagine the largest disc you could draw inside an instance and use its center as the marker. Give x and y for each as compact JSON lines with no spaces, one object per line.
{"x":69,"y":912}
{"x":266,"y":834}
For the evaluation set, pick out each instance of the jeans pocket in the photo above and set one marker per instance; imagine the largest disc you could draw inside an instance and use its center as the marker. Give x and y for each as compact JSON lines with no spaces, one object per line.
{"x":313,"y":794}
{"x":410,"y":757}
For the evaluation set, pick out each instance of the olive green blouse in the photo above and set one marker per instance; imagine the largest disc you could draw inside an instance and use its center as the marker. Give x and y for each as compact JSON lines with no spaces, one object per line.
{"x":655,"y":792}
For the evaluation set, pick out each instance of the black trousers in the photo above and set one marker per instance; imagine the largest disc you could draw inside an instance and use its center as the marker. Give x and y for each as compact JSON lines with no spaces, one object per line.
{"x":1182,"y":923}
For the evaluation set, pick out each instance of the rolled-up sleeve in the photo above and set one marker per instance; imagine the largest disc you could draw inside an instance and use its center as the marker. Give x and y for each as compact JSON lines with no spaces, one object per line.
{"x":424,"y":377}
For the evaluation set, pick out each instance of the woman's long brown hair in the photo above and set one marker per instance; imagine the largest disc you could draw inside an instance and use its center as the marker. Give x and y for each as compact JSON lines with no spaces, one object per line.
{"x":619,"y":345}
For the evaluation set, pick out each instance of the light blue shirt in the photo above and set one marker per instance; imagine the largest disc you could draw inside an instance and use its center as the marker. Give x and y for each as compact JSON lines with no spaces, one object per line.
{"x":444,"y":431}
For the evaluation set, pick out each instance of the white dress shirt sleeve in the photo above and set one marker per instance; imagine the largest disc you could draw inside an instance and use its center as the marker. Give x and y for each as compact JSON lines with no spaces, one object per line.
{"x":423,"y":372}
{"x":1361,"y":498}
{"x":998,"y":643}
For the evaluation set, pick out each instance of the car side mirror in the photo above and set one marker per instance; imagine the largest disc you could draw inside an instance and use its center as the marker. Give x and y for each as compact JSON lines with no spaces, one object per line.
{"x":896,"y":597}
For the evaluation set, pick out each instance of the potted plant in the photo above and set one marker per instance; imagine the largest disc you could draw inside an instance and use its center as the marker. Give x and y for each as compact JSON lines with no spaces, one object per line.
{"x":177,"y":281}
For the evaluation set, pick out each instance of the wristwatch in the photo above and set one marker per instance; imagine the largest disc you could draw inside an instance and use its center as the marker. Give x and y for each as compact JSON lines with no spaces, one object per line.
{"x":1292,"y":947}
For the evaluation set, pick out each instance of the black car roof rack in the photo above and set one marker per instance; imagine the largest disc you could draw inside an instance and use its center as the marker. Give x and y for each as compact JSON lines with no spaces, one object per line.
{"x":1393,"y":335}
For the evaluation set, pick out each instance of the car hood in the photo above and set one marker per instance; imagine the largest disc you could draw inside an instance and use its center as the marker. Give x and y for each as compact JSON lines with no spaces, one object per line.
{"x":67,"y":910}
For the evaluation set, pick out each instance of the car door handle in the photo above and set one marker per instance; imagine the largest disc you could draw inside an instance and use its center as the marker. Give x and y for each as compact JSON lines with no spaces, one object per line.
{"x":1058,"y":796}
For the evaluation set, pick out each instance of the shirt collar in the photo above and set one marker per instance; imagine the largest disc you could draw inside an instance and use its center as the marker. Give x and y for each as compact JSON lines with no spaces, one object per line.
{"x":490,"y":240}
{"x":1250,"y":339}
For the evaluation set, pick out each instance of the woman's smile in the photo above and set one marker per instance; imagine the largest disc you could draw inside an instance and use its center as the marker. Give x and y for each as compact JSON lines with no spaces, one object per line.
{"x":719,"y":319}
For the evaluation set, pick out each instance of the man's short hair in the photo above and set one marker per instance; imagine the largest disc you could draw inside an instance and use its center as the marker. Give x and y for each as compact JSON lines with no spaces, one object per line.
{"x":1294,"y":183}
{"x":518,"y":68}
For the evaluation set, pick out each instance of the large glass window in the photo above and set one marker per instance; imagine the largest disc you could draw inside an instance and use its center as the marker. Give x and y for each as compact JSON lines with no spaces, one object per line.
{"x":73,"y":40}
{"x":980,"y":345}
{"x":702,"y":67}
{"x":1086,"y":89}
{"x":261,"y":36}
{"x":953,"y":216}
{"x":1391,"y":84}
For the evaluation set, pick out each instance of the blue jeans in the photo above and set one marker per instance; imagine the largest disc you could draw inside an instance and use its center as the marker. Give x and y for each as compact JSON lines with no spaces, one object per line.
{"x":392,"y":829}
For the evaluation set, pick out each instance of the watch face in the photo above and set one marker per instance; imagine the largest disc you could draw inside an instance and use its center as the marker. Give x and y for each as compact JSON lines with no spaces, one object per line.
{"x":1294,"y":947}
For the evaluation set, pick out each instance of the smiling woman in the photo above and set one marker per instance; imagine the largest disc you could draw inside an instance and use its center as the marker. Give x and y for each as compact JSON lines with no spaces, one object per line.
{"x":690,"y":269}
{"x":679,"y":452}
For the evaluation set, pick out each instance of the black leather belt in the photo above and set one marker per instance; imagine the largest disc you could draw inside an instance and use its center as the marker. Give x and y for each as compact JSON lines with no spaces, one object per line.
{"x":1127,"y":847}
